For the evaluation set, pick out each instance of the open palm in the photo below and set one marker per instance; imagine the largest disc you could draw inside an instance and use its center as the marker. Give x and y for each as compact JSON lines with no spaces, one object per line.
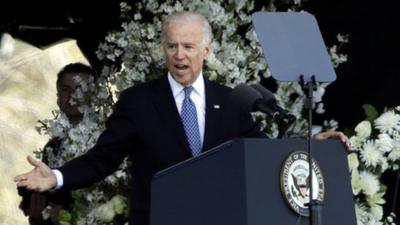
{"x":40,"y":179}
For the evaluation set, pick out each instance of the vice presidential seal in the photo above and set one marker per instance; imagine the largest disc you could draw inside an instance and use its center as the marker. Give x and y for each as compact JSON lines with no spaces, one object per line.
{"x":295,"y":185}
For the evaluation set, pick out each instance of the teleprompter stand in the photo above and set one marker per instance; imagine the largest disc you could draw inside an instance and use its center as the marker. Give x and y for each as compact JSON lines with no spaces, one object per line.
{"x":295,"y":52}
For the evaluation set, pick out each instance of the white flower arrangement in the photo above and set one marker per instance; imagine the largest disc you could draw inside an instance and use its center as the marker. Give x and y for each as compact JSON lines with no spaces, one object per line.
{"x":375,"y":148}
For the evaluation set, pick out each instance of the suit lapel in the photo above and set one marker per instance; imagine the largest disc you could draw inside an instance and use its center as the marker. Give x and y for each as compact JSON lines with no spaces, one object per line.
{"x":213,"y":115}
{"x":166,"y":106}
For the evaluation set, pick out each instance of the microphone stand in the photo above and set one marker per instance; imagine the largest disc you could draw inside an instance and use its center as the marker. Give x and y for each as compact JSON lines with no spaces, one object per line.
{"x":314,"y":205}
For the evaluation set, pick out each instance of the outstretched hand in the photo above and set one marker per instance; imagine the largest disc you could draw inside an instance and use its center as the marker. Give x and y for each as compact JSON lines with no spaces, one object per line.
{"x":40,"y":179}
{"x":334,"y":135}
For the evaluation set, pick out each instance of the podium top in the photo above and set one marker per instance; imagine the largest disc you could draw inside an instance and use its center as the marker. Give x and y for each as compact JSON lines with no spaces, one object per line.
{"x":293,"y":46}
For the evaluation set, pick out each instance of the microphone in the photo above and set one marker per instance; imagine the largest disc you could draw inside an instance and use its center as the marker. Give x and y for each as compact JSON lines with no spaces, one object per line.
{"x":249,"y":99}
{"x":258,"y":98}
{"x":275,"y":110}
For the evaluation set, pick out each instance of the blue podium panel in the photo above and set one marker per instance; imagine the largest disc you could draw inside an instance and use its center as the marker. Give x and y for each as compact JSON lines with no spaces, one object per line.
{"x":238,"y":183}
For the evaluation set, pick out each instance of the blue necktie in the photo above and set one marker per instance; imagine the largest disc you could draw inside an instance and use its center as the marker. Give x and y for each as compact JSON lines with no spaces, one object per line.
{"x":189,"y":120}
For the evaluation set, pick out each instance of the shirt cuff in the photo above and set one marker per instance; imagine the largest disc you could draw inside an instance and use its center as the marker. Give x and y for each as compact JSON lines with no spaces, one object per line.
{"x":59,"y":178}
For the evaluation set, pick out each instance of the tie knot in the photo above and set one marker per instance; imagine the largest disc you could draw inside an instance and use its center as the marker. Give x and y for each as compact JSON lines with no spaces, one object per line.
{"x":188,"y":91}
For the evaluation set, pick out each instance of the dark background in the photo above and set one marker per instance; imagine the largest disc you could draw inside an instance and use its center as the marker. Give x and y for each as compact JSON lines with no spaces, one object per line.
{"x":371,"y":74}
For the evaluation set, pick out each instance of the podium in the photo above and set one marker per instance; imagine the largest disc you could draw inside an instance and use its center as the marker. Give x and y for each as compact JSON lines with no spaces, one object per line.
{"x":238,"y":183}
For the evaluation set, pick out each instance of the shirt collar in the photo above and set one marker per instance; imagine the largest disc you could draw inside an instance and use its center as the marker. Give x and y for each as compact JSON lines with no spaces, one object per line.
{"x":177,"y":88}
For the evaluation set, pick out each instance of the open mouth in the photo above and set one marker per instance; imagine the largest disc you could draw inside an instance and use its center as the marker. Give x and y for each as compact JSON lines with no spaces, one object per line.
{"x":181,"y":66}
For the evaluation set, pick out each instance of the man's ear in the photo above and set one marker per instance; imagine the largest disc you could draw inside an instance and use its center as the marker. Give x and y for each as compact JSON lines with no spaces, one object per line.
{"x":207,"y":50}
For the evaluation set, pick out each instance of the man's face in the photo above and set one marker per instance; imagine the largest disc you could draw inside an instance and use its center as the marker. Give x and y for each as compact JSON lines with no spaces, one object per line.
{"x":66,"y":86}
{"x":184,"y":50}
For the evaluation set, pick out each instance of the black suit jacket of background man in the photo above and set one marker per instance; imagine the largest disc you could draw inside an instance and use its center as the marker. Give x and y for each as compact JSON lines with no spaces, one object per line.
{"x":146,"y":126}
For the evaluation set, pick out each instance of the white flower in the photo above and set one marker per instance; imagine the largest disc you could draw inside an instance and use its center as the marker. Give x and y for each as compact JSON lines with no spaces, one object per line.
{"x":376,"y":199}
{"x":388,"y":122}
{"x":384,"y":164}
{"x":377,"y":212}
{"x":74,"y":134}
{"x":372,"y":221}
{"x":239,"y":4}
{"x":370,"y":183}
{"x":213,"y":63}
{"x":384,"y":143}
{"x":46,"y":212}
{"x":119,"y":204}
{"x":331,"y":124}
{"x":356,"y":143}
{"x":137,"y":16}
{"x":317,"y":95}
{"x":124,"y":5}
{"x":353,"y":161}
{"x":342,"y":38}
{"x":362,"y":214}
{"x":370,"y":154}
{"x":363,"y":129}
{"x":356,"y":183}
{"x":395,"y":153}
{"x":336,"y":57}
{"x":111,"y":179}
{"x":320,"y":108}
{"x":105,"y":212}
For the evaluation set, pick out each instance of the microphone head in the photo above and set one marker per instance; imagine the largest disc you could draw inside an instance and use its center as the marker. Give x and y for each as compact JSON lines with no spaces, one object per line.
{"x":265,"y":93}
{"x":246,"y":97}
{"x":276,"y":111}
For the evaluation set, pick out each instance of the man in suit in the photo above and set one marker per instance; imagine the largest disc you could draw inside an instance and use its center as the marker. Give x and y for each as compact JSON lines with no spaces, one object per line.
{"x":33,"y":203}
{"x":150,"y":121}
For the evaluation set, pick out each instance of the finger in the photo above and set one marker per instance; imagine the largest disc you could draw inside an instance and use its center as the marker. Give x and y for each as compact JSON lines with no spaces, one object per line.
{"x":342,"y":137}
{"x":23,"y":183}
{"x":345,"y":140}
{"x":34,"y":162}
{"x":348,"y":144}
{"x":21,"y":177}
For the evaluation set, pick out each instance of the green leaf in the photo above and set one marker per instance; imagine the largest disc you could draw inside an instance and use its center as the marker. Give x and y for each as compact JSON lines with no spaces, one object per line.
{"x":64,"y":223}
{"x":370,"y":112}
{"x":64,"y":216}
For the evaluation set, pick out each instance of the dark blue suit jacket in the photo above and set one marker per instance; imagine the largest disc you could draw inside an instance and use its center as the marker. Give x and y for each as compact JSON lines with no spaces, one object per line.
{"x":146,"y":126}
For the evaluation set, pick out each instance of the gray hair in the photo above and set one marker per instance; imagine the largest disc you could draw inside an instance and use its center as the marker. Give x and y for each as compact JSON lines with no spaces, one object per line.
{"x":188,"y":16}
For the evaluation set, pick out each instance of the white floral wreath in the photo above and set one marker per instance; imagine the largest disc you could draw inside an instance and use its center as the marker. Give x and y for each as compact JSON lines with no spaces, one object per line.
{"x":376,"y":148}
